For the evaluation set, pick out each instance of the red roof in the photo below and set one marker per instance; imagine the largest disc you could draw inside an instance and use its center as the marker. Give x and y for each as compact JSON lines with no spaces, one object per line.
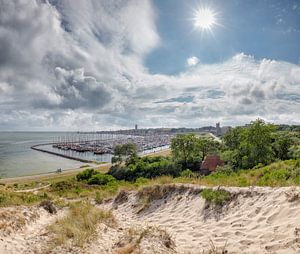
{"x":211,"y":162}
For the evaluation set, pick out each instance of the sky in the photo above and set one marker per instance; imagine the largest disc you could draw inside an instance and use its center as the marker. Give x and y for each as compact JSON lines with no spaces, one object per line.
{"x":87,"y":65}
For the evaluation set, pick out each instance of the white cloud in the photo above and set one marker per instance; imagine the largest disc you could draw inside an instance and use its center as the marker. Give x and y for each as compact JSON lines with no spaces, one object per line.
{"x":78,"y":65}
{"x":192,"y":61}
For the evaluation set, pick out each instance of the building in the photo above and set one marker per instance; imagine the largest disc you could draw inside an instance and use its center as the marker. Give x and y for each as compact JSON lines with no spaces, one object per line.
{"x":136,"y":127}
{"x":210,"y":164}
{"x":221,"y":130}
{"x":218,"y":129}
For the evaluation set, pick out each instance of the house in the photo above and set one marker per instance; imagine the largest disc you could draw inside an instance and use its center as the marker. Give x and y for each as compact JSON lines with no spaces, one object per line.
{"x":210,"y":164}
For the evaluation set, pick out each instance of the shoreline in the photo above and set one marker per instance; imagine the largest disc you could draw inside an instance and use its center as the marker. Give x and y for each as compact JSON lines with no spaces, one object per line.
{"x":69,"y":172}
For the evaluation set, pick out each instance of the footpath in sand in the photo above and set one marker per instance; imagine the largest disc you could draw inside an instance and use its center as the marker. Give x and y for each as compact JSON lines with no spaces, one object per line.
{"x":176,"y":219}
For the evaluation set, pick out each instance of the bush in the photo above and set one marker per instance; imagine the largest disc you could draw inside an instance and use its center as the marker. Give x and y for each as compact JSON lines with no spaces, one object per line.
{"x":226,"y":170}
{"x":63,"y":185}
{"x":101,"y":179}
{"x":216,"y":197}
{"x":147,"y":167}
{"x":86,"y":174}
{"x":121,"y":173}
{"x":187,"y":173}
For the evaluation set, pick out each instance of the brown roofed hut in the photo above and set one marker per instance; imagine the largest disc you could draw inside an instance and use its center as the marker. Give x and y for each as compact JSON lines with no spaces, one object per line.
{"x":210,"y":164}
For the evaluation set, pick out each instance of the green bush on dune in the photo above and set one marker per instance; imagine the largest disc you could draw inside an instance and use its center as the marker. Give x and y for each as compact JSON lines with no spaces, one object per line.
{"x":101,"y":179}
{"x":216,"y":197}
{"x":86,"y":174}
{"x":91,"y":176}
{"x":146,"y":167}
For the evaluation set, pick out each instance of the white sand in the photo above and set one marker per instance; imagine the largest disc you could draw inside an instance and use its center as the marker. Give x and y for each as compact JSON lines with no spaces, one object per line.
{"x":257,"y":220}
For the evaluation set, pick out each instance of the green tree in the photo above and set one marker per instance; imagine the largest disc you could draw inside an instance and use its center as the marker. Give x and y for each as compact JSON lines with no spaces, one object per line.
{"x":232,"y":138}
{"x":282,"y":143}
{"x":250,"y":145}
{"x":189,"y":149}
{"x":185,"y":148}
{"x":124,"y":152}
{"x":208,"y":145}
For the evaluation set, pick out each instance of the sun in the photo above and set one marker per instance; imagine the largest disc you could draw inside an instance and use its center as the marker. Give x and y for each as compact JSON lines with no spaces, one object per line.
{"x":205,"y":19}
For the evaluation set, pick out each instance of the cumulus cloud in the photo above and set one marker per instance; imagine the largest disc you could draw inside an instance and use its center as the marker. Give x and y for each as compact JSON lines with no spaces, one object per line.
{"x":192,"y":61}
{"x":79,"y":65}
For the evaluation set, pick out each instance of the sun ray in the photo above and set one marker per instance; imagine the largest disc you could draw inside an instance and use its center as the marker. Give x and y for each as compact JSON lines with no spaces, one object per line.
{"x":205,"y":19}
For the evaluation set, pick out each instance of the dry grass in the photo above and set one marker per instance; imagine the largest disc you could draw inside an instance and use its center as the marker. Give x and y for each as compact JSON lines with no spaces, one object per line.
{"x":293,"y":195}
{"x":14,"y":219}
{"x":80,"y":224}
{"x":215,"y":250}
{"x":132,"y":241}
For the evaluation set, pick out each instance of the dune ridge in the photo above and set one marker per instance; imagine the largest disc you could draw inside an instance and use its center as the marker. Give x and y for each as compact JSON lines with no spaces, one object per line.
{"x":256,"y":220}
{"x":175,"y":219}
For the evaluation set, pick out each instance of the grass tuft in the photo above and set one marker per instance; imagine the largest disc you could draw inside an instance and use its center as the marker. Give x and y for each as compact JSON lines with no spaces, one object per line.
{"x":80,"y":224}
{"x":216,"y":197}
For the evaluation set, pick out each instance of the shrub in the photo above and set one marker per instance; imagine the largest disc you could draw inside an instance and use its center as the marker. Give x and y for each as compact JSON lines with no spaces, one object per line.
{"x":120,"y":173}
{"x":141,"y":181}
{"x":216,"y":197}
{"x":101,"y":179}
{"x":147,"y":167}
{"x":226,"y":170}
{"x":62,"y":185}
{"x":86,"y":174}
{"x":187,"y":173}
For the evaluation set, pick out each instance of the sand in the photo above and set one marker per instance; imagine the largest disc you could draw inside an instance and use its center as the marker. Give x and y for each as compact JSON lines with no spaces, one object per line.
{"x":178,"y":220}
{"x":258,"y":220}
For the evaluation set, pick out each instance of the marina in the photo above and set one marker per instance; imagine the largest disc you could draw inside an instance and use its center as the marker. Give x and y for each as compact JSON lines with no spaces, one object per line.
{"x":91,"y":147}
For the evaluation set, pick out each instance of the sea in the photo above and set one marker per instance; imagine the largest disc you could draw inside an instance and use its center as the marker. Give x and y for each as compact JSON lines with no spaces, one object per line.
{"x":18,"y":159}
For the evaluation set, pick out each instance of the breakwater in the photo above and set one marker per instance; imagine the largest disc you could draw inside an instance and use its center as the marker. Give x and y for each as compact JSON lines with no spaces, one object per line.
{"x":38,"y":148}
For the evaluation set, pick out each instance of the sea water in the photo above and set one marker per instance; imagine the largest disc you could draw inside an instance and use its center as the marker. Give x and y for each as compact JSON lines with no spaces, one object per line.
{"x":17,"y":159}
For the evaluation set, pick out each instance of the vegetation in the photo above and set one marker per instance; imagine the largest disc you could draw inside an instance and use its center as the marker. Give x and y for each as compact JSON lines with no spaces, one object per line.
{"x":86,"y":174}
{"x":8,"y":198}
{"x":216,"y":197}
{"x":146,"y":167}
{"x":189,"y":150}
{"x":258,"y":143}
{"x":124,"y":152}
{"x":282,"y":173}
{"x":79,"y":224}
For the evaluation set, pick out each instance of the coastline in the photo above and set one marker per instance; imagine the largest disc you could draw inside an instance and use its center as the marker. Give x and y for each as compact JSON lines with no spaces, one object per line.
{"x":70,"y":172}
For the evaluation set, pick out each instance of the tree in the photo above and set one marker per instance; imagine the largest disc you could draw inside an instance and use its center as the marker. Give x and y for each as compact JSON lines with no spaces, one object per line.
{"x":251,"y":145}
{"x":124,"y":152}
{"x":257,"y":139}
{"x":232,"y":137}
{"x":190,"y":150}
{"x":208,"y":145}
{"x":185,"y":148}
{"x":282,"y":144}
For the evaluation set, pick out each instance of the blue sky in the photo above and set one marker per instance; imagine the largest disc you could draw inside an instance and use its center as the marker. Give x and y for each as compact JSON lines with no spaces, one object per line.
{"x":263,"y":29}
{"x":97,"y":64}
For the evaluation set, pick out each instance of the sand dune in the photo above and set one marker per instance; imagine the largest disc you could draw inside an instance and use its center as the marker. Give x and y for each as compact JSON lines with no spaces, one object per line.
{"x":176,"y":219}
{"x":257,"y":220}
